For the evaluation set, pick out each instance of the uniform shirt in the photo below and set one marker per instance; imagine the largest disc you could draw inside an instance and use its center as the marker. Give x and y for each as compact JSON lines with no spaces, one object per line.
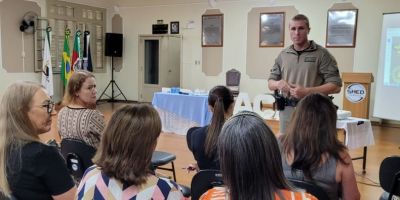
{"x":311,"y":67}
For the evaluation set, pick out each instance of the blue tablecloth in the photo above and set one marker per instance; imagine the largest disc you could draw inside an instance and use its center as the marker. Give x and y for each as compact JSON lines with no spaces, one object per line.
{"x":191,"y":107}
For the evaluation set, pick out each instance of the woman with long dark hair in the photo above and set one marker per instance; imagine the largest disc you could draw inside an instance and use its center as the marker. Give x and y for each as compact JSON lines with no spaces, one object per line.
{"x":203,"y":141}
{"x":311,"y":150}
{"x":250,"y":162}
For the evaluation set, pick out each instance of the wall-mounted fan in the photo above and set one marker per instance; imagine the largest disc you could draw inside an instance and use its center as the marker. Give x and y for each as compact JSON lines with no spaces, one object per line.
{"x":28,"y":22}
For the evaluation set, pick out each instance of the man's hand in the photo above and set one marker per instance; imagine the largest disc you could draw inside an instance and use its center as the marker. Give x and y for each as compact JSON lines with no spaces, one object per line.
{"x":298,"y":91}
{"x":192,"y":167}
{"x":281,"y":85}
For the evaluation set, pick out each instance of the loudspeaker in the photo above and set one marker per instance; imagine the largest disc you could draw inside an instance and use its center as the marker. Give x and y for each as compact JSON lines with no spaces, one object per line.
{"x":113,"y":45}
{"x":160,"y":28}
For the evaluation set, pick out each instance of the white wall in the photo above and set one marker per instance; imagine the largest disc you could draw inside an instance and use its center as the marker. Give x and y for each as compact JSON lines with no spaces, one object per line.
{"x":137,"y":19}
{"x":139,"y":15}
{"x":6,"y":78}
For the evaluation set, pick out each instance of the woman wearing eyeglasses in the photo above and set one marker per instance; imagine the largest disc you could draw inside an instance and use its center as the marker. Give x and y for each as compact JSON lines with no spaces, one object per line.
{"x":79,"y":119}
{"x":30,"y":169}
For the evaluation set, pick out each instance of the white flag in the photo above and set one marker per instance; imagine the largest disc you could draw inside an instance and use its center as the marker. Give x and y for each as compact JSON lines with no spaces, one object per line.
{"x":47,"y":69}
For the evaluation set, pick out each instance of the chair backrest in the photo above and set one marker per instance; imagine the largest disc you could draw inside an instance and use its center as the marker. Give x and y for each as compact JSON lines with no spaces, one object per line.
{"x":203,"y":181}
{"x":389,"y":175}
{"x":233,"y":81}
{"x":232,"y":77}
{"x":78,"y":156}
{"x":310,"y":188}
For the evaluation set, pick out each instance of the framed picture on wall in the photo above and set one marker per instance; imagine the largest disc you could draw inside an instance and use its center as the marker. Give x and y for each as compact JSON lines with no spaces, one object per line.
{"x":212,"y":30}
{"x":341,"y":28}
{"x":174,"y":27}
{"x":272,"y":30}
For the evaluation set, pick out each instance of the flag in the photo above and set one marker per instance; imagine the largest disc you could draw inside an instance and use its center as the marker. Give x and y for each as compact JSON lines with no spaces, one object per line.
{"x":66,"y":59}
{"x":76,"y":52}
{"x":87,"y":56}
{"x":47,"y":69}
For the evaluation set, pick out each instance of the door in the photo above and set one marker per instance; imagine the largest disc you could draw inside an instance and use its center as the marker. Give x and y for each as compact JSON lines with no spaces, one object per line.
{"x":159,"y":64}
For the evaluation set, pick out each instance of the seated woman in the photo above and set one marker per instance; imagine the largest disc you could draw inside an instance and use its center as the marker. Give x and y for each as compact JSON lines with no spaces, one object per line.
{"x":79,"y":119}
{"x":202,"y":141}
{"x":122,"y":162}
{"x":30,"y":169}
{"x":310,"y":149}
{"x":250,"y":162}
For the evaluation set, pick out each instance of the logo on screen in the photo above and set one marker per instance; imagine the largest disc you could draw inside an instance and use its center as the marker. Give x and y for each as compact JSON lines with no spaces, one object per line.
{"x":355,"y":92}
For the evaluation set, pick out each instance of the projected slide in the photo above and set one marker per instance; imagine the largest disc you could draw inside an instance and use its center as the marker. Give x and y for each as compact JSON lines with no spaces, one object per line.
{"x":392,"y":58}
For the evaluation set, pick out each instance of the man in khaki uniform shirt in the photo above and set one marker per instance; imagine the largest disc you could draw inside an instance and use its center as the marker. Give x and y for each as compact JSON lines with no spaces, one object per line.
{"x":302,"y":68}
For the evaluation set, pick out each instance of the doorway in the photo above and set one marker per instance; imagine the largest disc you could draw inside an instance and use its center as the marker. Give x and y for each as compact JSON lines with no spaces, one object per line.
{"x":159,"y":64}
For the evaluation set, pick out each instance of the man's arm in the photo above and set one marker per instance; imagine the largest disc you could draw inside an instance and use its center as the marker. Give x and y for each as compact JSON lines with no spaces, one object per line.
{"x":299,"y":92}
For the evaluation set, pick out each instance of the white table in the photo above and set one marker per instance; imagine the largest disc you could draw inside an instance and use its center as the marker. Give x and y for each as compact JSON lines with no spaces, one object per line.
{"x":179,"y":112}
{"x":358,"y":133}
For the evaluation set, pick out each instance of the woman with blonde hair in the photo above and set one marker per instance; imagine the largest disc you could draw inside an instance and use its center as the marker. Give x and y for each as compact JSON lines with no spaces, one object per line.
{"x":30,"y":169}
{"x":311,"y":150}
{"x":122,"y":162}
{"x":79,"y":119}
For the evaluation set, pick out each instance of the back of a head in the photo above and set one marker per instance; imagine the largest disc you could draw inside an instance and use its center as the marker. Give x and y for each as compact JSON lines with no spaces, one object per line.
{"x":312,"y":130}
{"x":249,"y":158}
{"x":128,"y":142}
{"x":314,"y":121}
{"x":220,"y":94}
{"x":74,"y":84}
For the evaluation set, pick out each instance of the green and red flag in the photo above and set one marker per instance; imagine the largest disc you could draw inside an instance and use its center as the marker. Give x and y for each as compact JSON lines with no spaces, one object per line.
{"x":76,"y":52}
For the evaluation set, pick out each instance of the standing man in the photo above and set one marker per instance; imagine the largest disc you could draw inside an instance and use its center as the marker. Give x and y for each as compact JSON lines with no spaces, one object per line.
{"x":302,"y":68}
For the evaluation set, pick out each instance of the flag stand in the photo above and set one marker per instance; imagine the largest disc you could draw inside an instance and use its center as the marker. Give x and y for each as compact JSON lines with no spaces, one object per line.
{"x":112,"y":83}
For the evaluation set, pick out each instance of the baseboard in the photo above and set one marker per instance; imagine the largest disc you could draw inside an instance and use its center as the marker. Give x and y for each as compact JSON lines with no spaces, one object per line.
{"x":101,"y":101}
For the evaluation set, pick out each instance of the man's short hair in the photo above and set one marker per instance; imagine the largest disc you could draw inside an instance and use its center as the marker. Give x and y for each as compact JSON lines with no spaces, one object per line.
{"x":301,"y":17}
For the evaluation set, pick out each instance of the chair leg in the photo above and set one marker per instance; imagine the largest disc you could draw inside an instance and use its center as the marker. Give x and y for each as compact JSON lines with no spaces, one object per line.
{"x":173,"y":171}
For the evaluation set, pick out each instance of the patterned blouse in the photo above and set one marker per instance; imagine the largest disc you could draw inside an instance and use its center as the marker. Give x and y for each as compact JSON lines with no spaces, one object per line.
{"x":81,"y":124}
{"x":219,"y":193}
{"x":97,"y":185}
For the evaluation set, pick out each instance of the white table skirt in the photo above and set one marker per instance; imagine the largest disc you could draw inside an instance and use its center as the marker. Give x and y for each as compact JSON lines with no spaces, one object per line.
{"x":358,"y":132}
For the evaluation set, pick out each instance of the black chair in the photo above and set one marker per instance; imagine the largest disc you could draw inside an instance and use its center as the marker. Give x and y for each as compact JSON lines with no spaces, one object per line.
{"x":185,"y":190}
{"x":203,"y":181}
{"x":310,"y":187}
{"x":78,"y":156}
{"x":233,"y":81}
{"x":160,"y":158}
{"x":389,"y":177}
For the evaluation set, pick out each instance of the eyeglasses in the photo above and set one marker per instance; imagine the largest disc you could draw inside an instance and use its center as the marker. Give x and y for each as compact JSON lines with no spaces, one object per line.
{"x":49,"y":105}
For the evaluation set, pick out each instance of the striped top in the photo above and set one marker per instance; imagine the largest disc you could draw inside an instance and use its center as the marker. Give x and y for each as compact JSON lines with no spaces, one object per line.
{"x":97,"y":185}
{"x":82,"y":124}
{"x":219,"y":193}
